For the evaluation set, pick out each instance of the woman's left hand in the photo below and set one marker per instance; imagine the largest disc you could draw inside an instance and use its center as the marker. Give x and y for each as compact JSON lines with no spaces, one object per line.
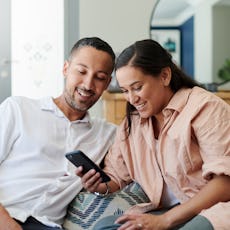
{"x":141,"y":222}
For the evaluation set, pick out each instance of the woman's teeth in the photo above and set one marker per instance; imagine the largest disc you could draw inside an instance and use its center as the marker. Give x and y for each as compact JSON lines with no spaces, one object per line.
{"x":138,"y":107}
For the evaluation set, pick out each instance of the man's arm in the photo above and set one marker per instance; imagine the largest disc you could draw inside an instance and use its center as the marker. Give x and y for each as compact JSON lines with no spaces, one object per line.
{"x":6,"y":221}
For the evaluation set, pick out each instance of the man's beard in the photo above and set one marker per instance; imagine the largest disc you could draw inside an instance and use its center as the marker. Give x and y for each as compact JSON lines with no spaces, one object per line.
{"x":72,"y":103}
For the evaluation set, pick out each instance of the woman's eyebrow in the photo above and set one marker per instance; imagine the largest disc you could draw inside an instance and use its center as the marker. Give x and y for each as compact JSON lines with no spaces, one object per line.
{"x":131,"y":85}
{"x":134,"y":83}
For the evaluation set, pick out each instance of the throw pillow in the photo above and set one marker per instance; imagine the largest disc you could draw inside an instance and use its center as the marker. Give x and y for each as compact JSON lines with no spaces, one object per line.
{"x":86,"y":209}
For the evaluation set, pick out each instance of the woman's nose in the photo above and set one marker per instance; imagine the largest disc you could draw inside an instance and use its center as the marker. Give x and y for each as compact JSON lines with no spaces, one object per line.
{"x":132,"y":98}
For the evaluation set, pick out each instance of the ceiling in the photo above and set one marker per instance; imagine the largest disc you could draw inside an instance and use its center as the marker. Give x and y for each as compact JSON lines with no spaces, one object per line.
{"x":177,"y":11}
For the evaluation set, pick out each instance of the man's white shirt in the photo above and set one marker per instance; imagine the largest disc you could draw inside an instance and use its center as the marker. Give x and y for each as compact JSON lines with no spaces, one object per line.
{"x":35,"y":177}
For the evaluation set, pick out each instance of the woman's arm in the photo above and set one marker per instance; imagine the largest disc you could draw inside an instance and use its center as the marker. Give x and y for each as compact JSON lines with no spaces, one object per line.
{"x":216,"y":190}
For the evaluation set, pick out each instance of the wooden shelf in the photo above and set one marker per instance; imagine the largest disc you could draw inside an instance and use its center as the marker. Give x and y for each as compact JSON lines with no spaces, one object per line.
{"x":225,"y":95}
{"x":114,"y":105}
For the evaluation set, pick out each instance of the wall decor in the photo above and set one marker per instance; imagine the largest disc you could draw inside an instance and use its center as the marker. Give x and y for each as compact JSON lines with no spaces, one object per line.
{"x":170,"y":40}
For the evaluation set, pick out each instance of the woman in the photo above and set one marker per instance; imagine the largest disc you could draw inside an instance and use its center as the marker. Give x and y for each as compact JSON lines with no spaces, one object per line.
{"x":174,"y":142}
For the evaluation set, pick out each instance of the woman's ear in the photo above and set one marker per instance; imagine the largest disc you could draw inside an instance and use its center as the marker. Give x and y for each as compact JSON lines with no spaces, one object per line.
{"x":166,"y":75}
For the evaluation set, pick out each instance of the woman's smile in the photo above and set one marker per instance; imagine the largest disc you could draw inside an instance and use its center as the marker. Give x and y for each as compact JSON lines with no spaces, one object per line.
{"x":140,"y":107}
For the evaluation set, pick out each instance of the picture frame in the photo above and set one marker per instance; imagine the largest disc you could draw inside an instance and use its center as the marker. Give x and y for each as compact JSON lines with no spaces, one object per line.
{"x":170,"y":39}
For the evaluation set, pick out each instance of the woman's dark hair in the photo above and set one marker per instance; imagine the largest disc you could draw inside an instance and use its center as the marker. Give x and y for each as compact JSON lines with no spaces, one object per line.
{"x":95,"y":42}
{"x":150,"y":57}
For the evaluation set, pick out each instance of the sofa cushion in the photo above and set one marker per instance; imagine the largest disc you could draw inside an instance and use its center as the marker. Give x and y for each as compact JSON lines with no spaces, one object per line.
{"x":86,"y":208}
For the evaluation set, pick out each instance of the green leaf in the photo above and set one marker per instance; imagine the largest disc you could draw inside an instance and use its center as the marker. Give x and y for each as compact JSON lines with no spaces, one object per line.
{"x":224,"y":72}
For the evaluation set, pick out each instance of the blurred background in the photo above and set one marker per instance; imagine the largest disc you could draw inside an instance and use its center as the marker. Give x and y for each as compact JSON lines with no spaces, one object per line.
{"x":37,"y":35}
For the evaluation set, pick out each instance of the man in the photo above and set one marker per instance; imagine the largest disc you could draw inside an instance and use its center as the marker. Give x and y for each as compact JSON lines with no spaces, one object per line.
{"x":36,"y":180}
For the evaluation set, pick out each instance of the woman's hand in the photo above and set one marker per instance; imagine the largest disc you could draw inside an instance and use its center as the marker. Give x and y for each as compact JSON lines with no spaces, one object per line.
{"x":92,"y":182}
{"x":141,"y":221}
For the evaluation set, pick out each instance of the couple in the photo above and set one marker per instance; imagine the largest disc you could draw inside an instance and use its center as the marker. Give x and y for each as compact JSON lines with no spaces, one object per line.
{"x":174,"y":142}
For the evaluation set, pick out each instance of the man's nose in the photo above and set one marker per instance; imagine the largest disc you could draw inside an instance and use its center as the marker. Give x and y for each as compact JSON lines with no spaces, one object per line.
{"x":88,"y":82}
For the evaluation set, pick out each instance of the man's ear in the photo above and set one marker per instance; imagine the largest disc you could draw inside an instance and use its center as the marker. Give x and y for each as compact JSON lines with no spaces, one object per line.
{"x":65,"y":68}
{"x":166,"y":75}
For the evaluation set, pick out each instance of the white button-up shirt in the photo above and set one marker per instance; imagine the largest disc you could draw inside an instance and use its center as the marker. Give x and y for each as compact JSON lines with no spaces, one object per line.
{"x":35,"y":177}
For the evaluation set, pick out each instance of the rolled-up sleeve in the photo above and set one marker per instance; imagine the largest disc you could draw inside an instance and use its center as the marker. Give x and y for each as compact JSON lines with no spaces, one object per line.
{"x":213,"y":135}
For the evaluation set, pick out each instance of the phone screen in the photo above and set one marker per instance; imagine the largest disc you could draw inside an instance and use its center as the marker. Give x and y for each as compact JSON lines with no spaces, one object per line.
{"x":78,"y":158}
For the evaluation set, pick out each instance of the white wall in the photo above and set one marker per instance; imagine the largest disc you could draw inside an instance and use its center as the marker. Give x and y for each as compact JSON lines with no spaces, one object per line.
{"x":119,"y":22}
{"x":211,"y":39}
{"x":221,"y":37}
{"x":203,"y":42}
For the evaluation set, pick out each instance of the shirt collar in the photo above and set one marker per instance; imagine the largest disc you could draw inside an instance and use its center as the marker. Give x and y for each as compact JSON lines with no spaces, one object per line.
{"x":47,"y":104}
{"x":179,"y":100}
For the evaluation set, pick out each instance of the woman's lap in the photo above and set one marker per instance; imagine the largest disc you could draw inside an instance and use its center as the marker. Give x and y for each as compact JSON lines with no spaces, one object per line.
{"x":198,"y":223}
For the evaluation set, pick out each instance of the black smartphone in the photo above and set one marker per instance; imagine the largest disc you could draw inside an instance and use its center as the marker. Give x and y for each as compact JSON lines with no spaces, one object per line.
{"x":78,"y":158}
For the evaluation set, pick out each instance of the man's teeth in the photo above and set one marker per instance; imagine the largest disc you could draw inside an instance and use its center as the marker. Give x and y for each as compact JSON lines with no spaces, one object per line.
{"x":84,"y":93}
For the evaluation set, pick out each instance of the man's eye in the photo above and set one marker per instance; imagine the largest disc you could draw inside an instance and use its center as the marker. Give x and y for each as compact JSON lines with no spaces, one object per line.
{"x":101,"y":78}
{"x":81,"y":71}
